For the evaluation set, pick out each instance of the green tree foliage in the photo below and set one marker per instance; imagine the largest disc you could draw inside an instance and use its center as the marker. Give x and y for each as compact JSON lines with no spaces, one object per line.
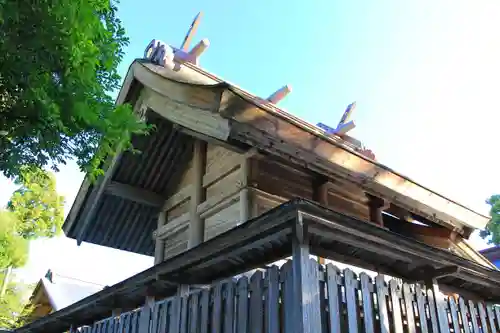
{"x":13,"y":248}
{"x":36,"y":204}
{"x":14,"y":310}
{"x":58,"y":64}
{"x":492,"y":231}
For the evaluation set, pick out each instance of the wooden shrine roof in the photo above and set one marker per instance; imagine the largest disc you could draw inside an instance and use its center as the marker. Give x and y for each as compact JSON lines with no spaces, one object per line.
{"x":120,"y":209}
{"x":268,"y":238}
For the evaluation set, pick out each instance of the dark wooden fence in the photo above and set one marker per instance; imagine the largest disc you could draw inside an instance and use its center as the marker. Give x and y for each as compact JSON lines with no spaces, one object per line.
{"x":350,"y":303}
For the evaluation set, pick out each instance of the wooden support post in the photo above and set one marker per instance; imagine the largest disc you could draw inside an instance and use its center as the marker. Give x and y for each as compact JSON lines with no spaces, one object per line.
{"x":244,"y":193}
{"x":160,"y":243}
{"x":305,"y":275}
{"x":320,"y":194}
{"x":376,"y":206}
{"x":196,"y":223}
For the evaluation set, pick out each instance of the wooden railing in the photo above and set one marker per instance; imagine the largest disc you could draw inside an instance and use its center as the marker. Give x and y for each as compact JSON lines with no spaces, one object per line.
{"x":350,"y":303}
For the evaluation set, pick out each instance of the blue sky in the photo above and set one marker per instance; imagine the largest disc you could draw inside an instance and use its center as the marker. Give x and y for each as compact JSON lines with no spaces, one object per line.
{"x":425,"y":76}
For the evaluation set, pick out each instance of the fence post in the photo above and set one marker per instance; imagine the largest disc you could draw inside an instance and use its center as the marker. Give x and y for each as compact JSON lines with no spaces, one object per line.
{"x":305,"y":271}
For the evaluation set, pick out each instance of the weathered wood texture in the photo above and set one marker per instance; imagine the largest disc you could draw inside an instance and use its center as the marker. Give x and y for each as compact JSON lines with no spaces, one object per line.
{"x":218,"y":207}
{"x":349,"y":303}
{"x":239,"y":186}
{"x":273,"y":183}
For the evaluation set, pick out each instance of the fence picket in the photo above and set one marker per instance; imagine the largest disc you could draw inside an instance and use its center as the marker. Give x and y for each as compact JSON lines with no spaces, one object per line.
{"x":464,"y":314}
{"x":491,"y":318}
{"x":145,"y":320}
{"x":422,"y":314}
{"x":408,"y":302}
{"x":228,"y":307}
{"x":432,"y":311}
{"x":383,"y":313}
{"x":366,"y":293}
{"x":183,"y":325}
{"x":175,"y":315}
{"x":482,"y":318}
{"x":256,"y":304}
{"x":397,"y":318}
{"x":155,"y":317}
{"x":442,"y":310}
{"x":352,"y":300}
{"x":126,"y":320}
{"x":109,"y":326}
{"x":217,"y":309}
{"x":334,"y":299}
{"x":454,"y":314}
{"x":135,"y":321}
{"x":194,"y":310}
{"x":242,"y":305}
{"x":474,"y":317}
{"x":286,"y":278}
{"x":204,"y":315}
{"x":272,"y":300}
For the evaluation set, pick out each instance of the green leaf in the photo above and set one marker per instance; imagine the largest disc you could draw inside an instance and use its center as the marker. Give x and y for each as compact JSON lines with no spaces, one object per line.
{"x":492,"y":230}
{"x":59,"y":64}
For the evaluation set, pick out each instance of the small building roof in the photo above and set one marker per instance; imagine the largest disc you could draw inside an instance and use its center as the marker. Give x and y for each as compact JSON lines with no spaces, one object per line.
{"x":63,"y":294}
{"x":492,"y":253}
{"x":55,"y":292}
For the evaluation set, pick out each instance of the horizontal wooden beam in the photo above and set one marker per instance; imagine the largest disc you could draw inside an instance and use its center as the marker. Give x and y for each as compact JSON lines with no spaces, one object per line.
{"x":135,"y":194}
